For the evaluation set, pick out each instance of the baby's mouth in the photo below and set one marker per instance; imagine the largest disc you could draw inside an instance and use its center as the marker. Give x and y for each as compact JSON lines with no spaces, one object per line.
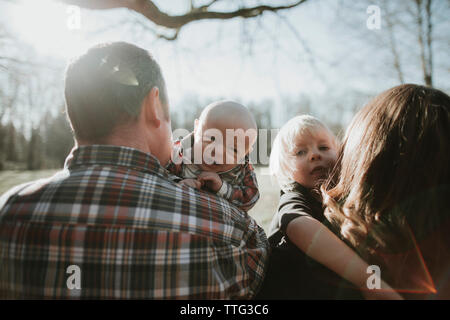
{"x":212,"y":165}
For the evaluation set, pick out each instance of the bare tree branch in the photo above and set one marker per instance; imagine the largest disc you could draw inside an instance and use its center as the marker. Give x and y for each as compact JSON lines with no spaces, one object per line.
{"x":393,"y":46}
{"x":13,"y":60}
{"x":149,"y":10}
{"x":310,"y":55}
{"x":170,"y":35}
{"x":206,"y":6}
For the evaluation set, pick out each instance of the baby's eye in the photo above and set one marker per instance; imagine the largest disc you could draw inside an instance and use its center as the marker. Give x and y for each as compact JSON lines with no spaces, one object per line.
{"x":324,"y":148}
{"x":232,"y":150}
{"x":301,"y":152}
{"x":209,"y":139}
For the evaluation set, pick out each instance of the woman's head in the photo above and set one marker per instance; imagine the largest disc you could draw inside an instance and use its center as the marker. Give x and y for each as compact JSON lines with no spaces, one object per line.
{"x":394,"y":166}
{"x":303,"y":151}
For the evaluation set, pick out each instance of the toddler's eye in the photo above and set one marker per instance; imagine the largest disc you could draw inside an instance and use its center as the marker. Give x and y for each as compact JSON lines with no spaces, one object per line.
{"x":324,"y":148}
{"x":301,"y":153}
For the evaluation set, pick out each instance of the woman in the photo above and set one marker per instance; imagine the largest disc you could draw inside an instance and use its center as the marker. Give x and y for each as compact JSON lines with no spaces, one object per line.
{"x":391,"y":196}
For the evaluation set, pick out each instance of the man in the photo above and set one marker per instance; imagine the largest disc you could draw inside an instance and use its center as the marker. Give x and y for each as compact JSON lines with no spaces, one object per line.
{"x":113,"y":224}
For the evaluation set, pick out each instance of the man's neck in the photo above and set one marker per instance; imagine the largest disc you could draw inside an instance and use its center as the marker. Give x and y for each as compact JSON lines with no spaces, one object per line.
{"x":120,"y":141}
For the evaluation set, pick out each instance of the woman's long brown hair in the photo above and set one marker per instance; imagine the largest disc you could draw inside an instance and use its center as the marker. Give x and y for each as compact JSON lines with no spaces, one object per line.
{"x":393,"y":176}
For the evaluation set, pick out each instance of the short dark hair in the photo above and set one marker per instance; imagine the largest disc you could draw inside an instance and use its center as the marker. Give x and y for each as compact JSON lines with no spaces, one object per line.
{"x":105,"y":88}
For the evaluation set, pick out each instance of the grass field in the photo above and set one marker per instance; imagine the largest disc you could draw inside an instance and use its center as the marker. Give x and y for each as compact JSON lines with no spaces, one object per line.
{"x":267,"y":204}
{"x":262,"y":212}
{"x":11,"y":178}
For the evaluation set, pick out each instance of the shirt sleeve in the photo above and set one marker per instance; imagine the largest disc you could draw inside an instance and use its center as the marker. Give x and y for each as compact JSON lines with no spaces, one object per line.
{"x":243,"y":196}
{"x":175,"y":165}
{"x":292,"y":205}
{"x":174,"y":169}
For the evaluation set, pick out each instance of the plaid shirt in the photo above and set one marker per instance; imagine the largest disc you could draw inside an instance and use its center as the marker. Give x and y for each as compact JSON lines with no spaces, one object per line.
{"x":239,"y":184}
{"x":114,"y":213}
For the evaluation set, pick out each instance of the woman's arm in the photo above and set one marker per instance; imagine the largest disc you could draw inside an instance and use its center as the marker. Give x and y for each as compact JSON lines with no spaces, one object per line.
{"x":322,"y":245}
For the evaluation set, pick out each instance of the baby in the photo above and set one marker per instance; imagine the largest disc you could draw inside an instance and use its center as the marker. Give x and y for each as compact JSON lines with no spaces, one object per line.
{"x":215,"y":156}
{"x":303,"y":154}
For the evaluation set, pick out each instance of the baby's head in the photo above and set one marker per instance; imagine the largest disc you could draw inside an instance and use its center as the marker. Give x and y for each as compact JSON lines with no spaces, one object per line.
{"x":304,"y":150}
{"x":224,"y":134}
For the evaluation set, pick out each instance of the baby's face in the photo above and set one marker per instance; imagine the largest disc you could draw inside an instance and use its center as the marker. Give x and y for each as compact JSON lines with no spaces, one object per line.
{"x":315,"y":155}
{"x":222,"y":152}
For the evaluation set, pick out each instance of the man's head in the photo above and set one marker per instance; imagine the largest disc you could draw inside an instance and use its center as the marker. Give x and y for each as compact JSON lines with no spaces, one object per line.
{"x":108,"y":88}
{"x":225,"y":132}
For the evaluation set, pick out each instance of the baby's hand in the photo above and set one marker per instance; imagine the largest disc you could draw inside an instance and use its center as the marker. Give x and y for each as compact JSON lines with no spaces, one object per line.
{"x":193,"y":183}
{"x":211,"y":180}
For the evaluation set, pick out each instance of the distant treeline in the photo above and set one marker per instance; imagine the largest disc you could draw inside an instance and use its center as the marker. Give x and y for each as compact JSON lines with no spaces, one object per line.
{"x":46,"y":147}
{"x":48,"y":144}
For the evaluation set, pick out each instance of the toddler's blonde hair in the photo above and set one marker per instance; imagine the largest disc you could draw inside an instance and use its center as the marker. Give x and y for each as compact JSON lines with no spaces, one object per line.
{"x":281,"y":157}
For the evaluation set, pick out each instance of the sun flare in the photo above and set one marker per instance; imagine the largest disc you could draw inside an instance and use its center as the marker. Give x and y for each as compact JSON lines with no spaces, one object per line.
{"x":50,"y":27}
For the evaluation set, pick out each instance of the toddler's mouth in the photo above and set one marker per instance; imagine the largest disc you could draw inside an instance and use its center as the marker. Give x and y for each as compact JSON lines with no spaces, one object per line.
{"x":319,"y":170}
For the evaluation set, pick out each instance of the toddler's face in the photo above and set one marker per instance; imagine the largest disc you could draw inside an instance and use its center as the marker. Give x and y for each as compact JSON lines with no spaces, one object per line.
{"x":315,"y":155}
{"x":218,"y":154}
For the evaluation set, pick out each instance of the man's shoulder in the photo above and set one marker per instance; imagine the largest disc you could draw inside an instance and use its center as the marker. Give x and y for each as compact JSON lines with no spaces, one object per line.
{"x":28,"y":188}
{"x":11,"y":192}
{"x":152,"y":200}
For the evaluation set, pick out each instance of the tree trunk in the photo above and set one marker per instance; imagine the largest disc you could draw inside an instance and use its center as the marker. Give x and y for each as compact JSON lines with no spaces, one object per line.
{"x":424,"y":38}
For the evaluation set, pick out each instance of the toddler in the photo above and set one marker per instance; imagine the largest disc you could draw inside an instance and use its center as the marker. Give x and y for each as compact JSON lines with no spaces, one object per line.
{"x":303,"y":154}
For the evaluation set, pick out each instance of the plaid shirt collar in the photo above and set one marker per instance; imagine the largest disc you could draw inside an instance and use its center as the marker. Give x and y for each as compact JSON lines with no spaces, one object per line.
{"x":115,"y":156}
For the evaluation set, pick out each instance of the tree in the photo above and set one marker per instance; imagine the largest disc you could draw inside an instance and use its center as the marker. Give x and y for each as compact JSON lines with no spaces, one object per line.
{"x":57,"y":139}
{"x":410,"y":36}
{"x":11,"y":146}
{"x":196,"y":12}
{"x":35,"y":152}
{"x":424,"y":35}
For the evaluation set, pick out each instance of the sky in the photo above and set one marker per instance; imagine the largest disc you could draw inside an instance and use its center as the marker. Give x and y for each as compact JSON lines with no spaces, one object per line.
{"x":268,"y":58}
{"x":191,"y":62}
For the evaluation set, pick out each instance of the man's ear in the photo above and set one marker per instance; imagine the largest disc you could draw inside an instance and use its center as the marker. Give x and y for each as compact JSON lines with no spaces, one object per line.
{"x":150,"y":106}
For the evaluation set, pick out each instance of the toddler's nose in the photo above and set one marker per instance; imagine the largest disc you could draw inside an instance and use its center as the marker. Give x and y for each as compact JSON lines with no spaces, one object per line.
{"x":315,"y":156}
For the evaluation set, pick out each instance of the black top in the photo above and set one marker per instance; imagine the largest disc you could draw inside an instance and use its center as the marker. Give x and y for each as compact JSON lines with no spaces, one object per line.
{"x":291,"y":273}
